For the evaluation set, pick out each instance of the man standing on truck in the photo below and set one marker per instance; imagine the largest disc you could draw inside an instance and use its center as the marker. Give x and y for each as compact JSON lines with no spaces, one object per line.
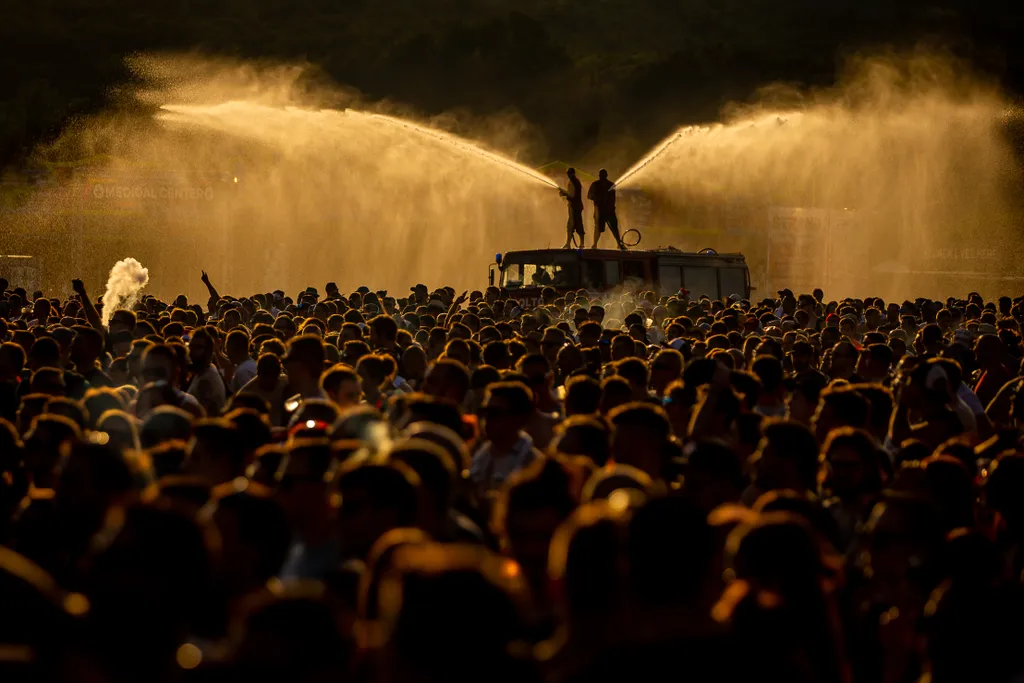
{"x":602,"y":193}
{"x":573,"y":193}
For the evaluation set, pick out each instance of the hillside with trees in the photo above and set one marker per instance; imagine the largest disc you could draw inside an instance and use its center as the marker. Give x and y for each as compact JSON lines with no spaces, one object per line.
{"x":607,"y":73}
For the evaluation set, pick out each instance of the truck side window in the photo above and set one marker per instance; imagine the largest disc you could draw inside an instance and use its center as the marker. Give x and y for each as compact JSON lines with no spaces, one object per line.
{"x":612,"y":276}
{"x":734,"y":281}
{"x":594,"y":274}
{"x":669,"y":279}
{"x":701,"y":281}
{"x":512,"y":276}
{"x":633,"y":270}
{"x":539,"y":276}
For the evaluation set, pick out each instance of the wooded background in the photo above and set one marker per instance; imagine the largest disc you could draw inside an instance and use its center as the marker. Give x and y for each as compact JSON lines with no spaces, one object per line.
{"x":587,"y":76}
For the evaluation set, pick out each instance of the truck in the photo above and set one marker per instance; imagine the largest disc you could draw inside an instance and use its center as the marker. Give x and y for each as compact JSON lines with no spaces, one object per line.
{"x":667,"y":271}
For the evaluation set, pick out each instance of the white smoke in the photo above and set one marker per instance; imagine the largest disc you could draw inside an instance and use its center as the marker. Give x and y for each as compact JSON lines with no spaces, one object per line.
{"x":127,"y":278}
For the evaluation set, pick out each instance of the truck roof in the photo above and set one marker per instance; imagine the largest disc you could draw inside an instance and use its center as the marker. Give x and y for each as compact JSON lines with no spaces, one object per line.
{"x":630,"y":253}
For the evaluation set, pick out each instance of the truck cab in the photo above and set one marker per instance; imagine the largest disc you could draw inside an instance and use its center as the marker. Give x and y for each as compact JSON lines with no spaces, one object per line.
{"x":666,"y":271}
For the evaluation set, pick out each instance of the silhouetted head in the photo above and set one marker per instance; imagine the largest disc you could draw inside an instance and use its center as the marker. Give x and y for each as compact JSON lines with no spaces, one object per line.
{"x":571,"y":172}
{"x":289,"y":631}
{"x":602,"y":174}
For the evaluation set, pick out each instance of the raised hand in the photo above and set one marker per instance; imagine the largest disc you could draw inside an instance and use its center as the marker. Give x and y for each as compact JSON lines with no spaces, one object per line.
{"x":78,"y":287}
{"x":206,"y":278}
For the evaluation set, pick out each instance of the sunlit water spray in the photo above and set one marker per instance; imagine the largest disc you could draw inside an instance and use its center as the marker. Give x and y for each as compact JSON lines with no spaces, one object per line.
{"x":463,"y":145}
{"x":361,"y":198}
{"x":918,"y":156}
{"x":268,"y":185}
{"x":266,"y":193}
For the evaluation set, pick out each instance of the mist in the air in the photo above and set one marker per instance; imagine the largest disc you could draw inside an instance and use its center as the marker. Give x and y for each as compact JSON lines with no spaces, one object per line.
{"x":911,"y":154}
{"x":268,"y":178}
{"x":245,"y":173}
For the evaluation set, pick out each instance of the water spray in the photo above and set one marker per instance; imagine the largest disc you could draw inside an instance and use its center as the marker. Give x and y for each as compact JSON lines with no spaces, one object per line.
{"x":462,"y":144}
{"x":330,"y":173}
{"x":127,"y":279}
{"x":688,"y":132}
{"x":927,"y":164}
{"x":658,"y":150}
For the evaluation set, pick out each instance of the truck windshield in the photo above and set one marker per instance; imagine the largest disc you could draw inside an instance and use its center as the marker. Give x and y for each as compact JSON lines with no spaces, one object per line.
{"x":541,"y":270}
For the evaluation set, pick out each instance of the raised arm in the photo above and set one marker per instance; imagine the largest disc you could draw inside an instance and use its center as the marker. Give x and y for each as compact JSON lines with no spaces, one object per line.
{"x":214,"y":296}
{"x":453,"y":308}
{"x":899,"y":425}
{"x":88,"y":307}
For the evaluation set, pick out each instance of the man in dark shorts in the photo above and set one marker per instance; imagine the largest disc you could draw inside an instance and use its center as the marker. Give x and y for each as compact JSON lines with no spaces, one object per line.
{"x":573,"y":193}
{"x":602,"y":193}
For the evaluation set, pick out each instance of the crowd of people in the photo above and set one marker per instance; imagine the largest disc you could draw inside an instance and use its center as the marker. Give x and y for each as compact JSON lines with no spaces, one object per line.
{"x":430,"y":487}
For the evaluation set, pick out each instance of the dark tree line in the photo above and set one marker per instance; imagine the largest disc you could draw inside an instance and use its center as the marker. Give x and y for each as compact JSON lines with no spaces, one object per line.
{"x":620,"y":72}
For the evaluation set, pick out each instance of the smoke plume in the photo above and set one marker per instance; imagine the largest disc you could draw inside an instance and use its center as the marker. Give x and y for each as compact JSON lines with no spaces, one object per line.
{"x":127,"y":278}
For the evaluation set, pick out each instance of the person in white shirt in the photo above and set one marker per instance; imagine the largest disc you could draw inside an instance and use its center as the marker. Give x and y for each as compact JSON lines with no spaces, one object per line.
{"x":270,"y":385}
{"x":237,"y":349}
{"x":655,"y":334}
{"x":159,"y":368}
{"x":207,"y":385}
{"x":508,"y":448}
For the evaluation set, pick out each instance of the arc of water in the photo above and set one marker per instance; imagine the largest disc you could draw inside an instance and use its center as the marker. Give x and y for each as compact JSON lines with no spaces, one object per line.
{"x":652,"y":155}
{"x":182,"y":113}
{"x":689,"y":131}
{"x":461,"y":144}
